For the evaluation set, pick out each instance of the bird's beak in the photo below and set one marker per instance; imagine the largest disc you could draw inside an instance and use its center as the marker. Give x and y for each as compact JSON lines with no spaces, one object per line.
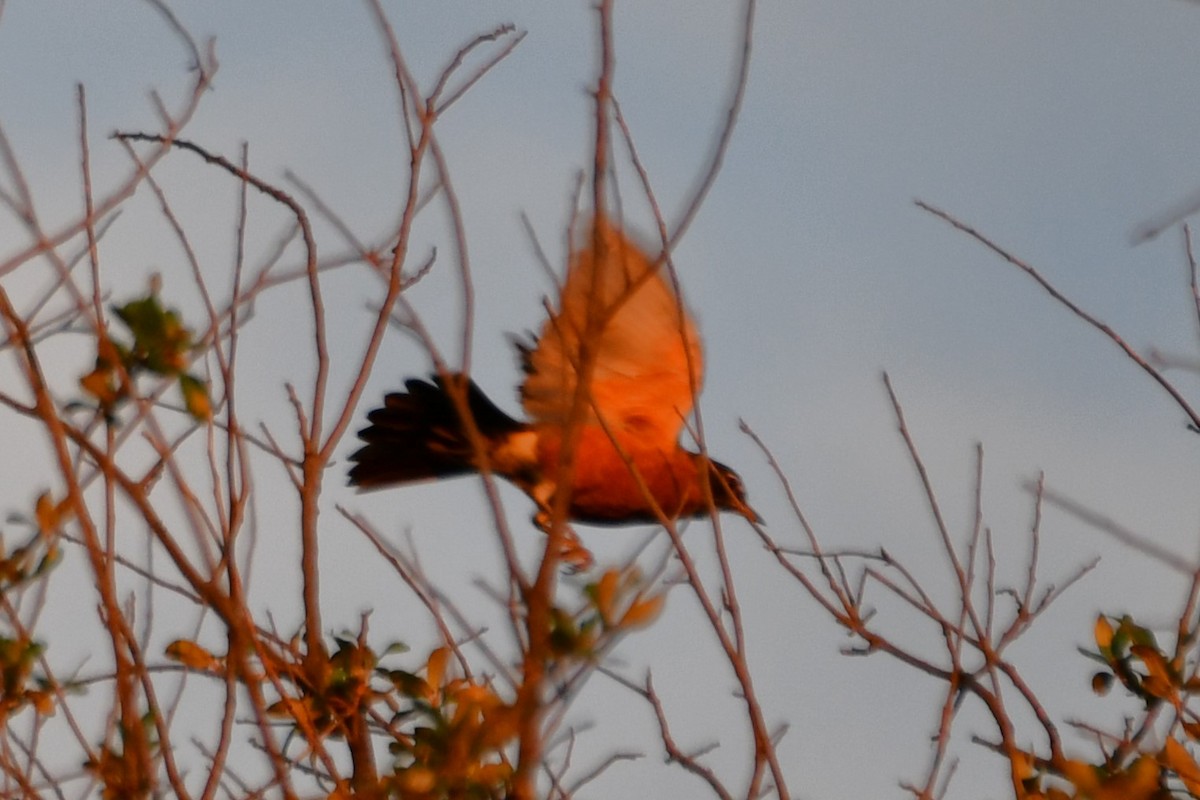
{"x":750,"y":514}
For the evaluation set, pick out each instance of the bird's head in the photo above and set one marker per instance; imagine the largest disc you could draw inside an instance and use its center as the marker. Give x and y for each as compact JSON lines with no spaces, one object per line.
{"x":728,"y":491}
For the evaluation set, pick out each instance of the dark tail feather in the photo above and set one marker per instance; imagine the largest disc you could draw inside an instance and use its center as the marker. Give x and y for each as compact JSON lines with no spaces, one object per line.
{"x":417,"y":435}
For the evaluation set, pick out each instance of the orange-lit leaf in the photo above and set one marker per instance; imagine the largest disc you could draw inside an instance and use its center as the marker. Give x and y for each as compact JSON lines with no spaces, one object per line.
{"x":435,"y":668}
{"x":1141,"y":780}
{"x":1080,"y":773}
{"x":490,"y":774}
{"x":1022,"y":764}
{"x":606,"y":594}
{"x":192,"y":655}
{"x":1176,"y":758}
{"x":417,"y":780}
{"x":50,"y":515}
{"x":195,"y":397}
{"x":1104,"y":634}
{"x":99,"y":384}
{"x":643,"y":612}
{"x":43,"y":702}
{"x":1159,"y":681}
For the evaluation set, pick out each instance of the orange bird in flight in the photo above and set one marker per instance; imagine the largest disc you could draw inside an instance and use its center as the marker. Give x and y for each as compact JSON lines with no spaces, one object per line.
{"x":645,"y":365}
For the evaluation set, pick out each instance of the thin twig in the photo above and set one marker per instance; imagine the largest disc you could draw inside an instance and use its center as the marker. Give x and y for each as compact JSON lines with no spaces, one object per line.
{"x":1062,"y":299}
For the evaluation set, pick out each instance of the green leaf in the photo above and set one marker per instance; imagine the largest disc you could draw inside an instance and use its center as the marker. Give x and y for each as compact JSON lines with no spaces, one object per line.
{"x":160,"y":340}
{"x":1094,"y":656}
{"x":394,"y":648}
{"x":195,"y":397}
{"x":1137,"y":634}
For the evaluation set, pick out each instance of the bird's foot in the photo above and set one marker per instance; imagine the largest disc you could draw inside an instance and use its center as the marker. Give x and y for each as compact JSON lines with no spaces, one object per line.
{"x":574,"y":556}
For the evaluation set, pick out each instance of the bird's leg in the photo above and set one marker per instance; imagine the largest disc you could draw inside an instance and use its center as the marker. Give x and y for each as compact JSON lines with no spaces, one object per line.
{"x":575,"y":557}
{"x":543,"y":495}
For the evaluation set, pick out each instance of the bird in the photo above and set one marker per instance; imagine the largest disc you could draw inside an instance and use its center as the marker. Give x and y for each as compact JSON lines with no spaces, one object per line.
{"x":621,"y":325}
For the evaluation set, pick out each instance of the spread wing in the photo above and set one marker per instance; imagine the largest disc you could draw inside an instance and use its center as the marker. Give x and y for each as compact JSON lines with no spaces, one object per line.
{"x":642,"y":340}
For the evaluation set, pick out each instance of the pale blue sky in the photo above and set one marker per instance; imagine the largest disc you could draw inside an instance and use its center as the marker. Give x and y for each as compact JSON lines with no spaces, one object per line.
{"x":1054,"y":127}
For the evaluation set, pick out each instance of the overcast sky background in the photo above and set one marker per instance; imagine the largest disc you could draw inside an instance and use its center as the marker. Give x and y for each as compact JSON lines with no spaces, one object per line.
{"x":1053,"y":127}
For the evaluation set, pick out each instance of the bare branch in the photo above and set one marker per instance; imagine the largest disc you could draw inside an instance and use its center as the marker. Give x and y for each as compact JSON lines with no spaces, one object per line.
{"x":1112,"y":335}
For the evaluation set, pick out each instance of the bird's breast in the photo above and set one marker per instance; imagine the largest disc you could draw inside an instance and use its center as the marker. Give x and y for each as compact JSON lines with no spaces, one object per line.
{"x":605,"y":489}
